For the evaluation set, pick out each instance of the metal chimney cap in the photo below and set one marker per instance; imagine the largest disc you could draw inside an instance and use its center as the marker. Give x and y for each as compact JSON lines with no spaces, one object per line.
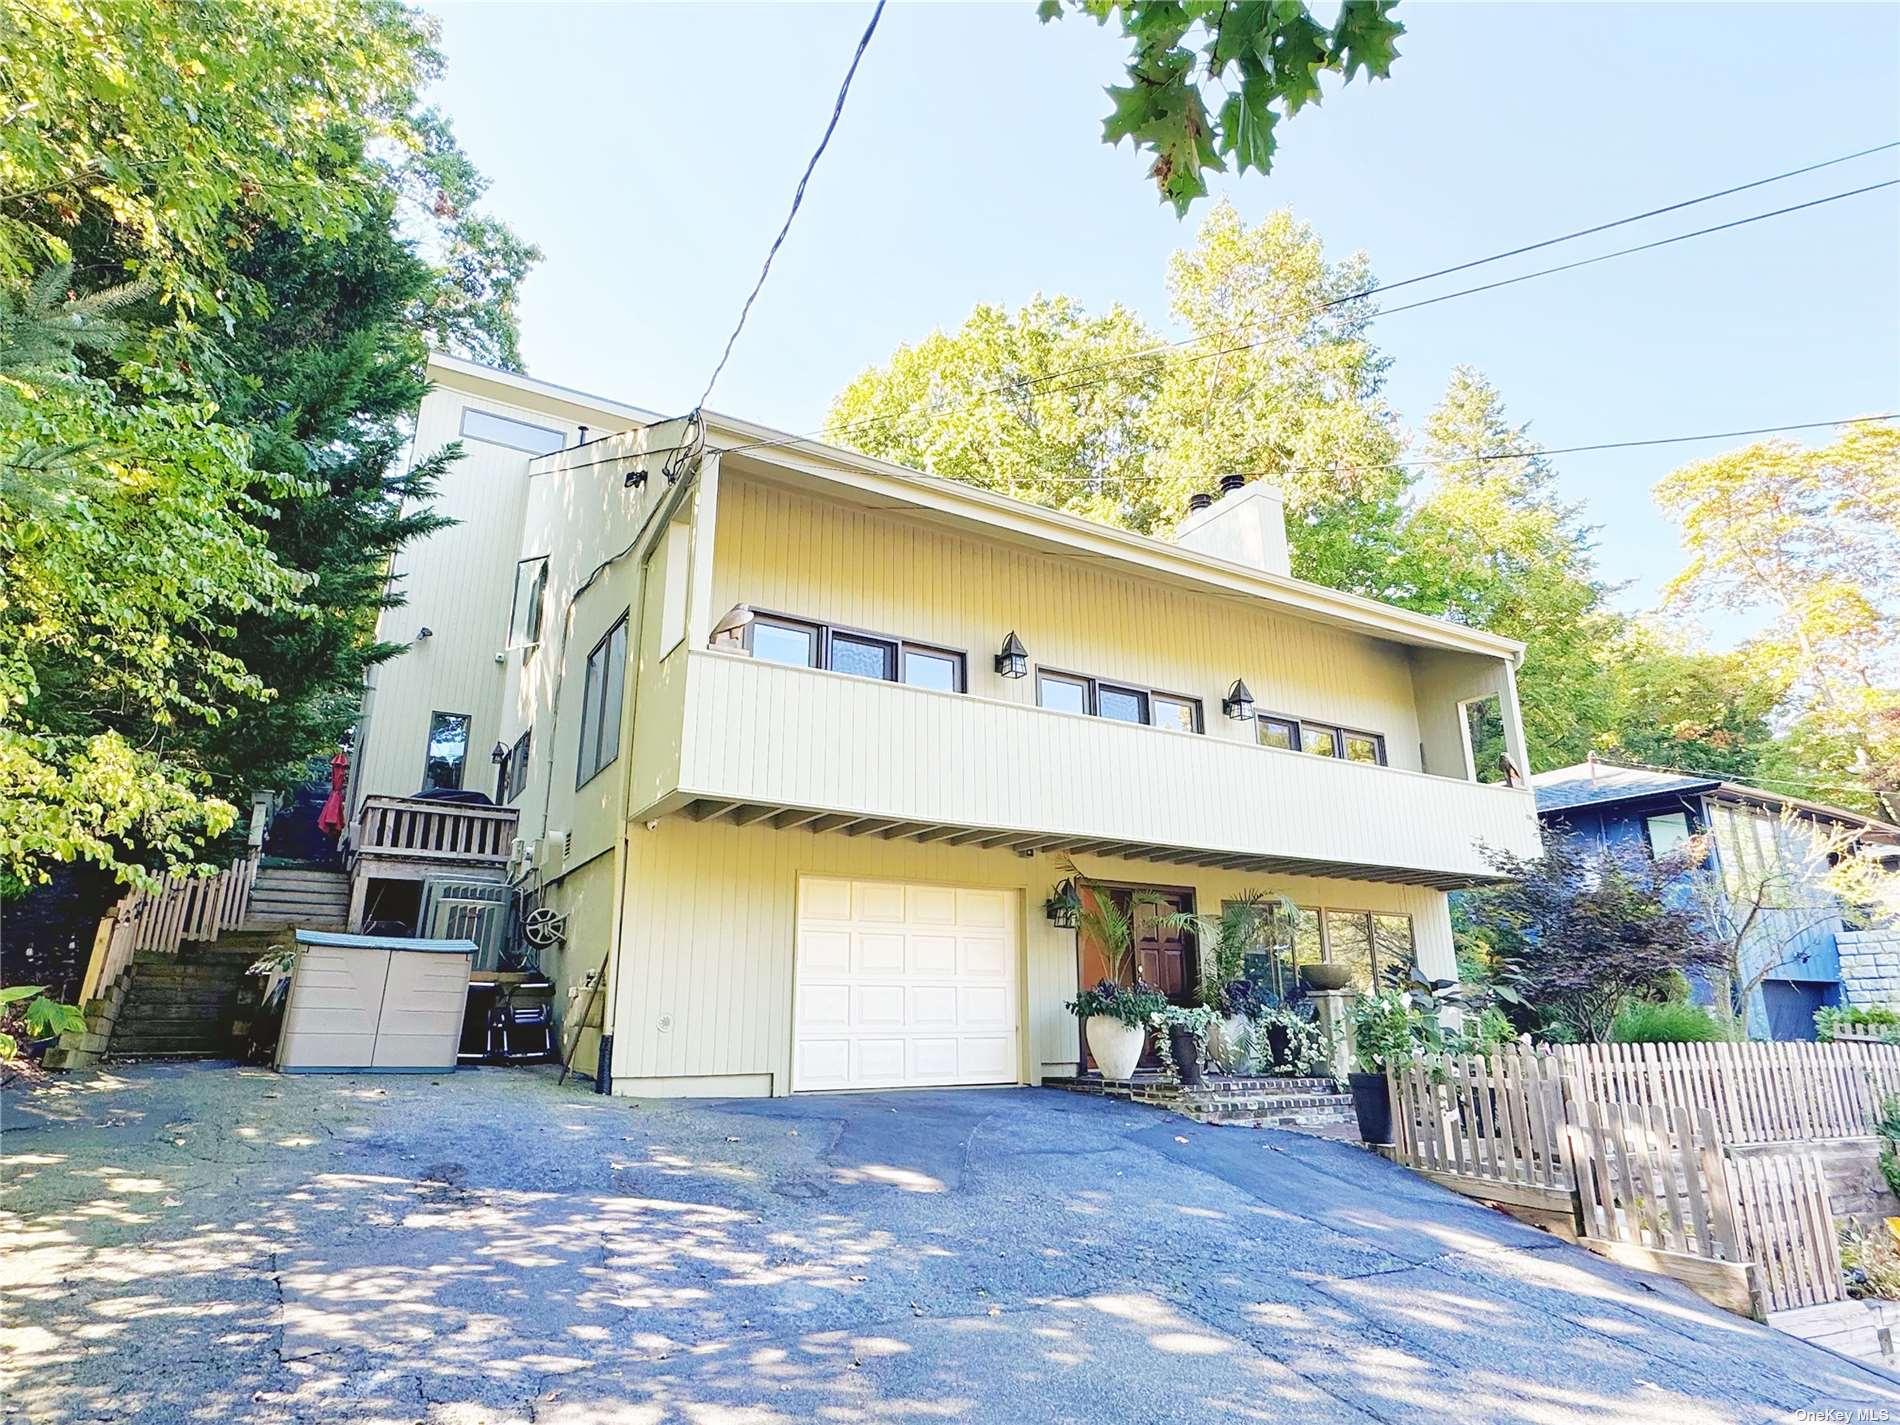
{"x":1200,"y":500}
{"x":1231,"y":483}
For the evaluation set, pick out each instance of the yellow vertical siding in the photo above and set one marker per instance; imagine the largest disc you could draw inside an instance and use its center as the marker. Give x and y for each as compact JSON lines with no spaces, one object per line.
{"x":703,"y":979}
{"x":793,"y":553}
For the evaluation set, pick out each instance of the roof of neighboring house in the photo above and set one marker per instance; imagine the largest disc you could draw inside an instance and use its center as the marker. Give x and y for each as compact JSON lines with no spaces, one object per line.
{"x":1605,"y":784}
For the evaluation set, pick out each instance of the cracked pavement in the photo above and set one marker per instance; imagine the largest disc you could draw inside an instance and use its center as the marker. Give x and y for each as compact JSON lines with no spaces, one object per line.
{"x":208,"y":1243}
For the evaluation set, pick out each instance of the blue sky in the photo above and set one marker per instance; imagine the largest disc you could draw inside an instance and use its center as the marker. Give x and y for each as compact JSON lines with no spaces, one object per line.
{"x":651,"y":151}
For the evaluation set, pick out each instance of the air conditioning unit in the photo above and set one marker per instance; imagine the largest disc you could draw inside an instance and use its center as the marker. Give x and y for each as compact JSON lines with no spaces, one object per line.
{"x":457,"y":909}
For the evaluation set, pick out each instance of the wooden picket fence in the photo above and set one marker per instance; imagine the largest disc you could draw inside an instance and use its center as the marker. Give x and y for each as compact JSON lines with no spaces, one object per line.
{"x":1680,"y":1158}
{"x":1757,"y":1092}
{"x":184,"y":907}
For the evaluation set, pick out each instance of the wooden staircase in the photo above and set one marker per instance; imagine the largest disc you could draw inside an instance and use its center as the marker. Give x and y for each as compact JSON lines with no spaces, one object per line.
{"x":169,"y":975}
{"x":310,"y":897}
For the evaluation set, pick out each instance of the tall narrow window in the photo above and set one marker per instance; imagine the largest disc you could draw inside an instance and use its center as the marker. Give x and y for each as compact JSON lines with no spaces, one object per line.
{"x":447,"y":757}
{"x":531,"y":594}
{"x":512,"y":778}
{"x":1349,"y":943}
{"x":601,"y":699}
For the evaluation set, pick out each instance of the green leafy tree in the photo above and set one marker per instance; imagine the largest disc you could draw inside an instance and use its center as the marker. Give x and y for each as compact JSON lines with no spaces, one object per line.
{"x":1490,"y":544}
{"x":1096,"y":416}
{"x":1259,"y":61}
{"x":1810,"y":538}
{"x":1676,"y":706}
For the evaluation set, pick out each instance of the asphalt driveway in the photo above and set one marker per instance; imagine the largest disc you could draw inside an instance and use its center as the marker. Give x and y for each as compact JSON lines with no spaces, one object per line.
{"x":208,"y":1243}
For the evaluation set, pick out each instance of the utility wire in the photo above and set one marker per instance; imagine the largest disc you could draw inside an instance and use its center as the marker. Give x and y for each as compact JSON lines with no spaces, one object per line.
{"x":1002,"y":388}
{"x":798,"y":197}
{"x":1534,"y":454}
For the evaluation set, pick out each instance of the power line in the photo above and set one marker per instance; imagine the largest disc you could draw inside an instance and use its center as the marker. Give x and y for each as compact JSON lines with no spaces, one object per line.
{"x":798,"y":197}
{"x":1343,"y":466}
{"x":1021,"y":383}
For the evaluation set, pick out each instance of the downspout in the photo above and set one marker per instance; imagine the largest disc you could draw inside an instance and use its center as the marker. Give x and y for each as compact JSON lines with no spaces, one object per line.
{"x":657,"y":519}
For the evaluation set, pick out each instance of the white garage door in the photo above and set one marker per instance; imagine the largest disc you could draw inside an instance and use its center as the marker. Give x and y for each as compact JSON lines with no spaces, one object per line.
{"x":904,"y":985}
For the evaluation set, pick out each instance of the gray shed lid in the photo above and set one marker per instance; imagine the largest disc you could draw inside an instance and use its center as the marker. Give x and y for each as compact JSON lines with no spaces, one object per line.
{"x":336,"y":940}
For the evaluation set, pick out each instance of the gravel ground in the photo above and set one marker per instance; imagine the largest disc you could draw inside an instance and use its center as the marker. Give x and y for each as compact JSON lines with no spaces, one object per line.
{"x":207,"y":1243}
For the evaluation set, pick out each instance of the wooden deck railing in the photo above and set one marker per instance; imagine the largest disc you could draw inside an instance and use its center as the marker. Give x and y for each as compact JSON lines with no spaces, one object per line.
{"x":184,"y":907}
{"x":408,"y":829}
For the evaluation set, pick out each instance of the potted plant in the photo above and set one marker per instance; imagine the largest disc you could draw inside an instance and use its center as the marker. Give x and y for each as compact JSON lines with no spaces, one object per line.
{"x":1181,"y":1038}
{"x":1250,"y":923}
{"x":1382,"y":1031}
{"x":1115,"y":1016}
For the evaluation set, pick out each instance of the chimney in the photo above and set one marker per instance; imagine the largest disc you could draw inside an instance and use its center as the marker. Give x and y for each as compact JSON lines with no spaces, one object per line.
{"x":1245,"y":525}
{"x":1198,"y":501}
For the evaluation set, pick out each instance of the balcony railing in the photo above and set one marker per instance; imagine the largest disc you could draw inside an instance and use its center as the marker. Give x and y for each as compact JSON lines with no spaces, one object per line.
{"x":807,"y":747}
{"x":411,"y":829}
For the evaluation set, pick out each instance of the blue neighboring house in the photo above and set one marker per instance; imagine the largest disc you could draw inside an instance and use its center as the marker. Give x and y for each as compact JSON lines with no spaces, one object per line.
{"x":1617,"y":806}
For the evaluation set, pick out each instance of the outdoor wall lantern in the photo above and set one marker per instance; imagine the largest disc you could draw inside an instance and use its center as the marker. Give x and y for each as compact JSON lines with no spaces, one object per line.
{"x":1238,"y":704}
{"x":1063,"y":906}
{"x":730,"y":632}
{"x":1013,"y":661}
{"x":499,"y":755}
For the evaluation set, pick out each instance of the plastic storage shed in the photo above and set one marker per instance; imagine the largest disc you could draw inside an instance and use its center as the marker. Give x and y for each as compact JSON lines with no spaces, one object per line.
{"x":374,"y":1003}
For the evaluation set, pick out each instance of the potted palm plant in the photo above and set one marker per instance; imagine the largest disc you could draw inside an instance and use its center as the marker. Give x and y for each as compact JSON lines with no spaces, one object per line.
{"x":1251,"y":922}
{"x":1115,"y":1015}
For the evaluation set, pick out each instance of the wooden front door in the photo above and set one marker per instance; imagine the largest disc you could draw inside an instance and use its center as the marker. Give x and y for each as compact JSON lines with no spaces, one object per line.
{"x":1164,"y":954}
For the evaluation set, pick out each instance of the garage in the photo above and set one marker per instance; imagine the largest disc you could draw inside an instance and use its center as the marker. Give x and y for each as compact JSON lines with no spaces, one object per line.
{"x":903,"y":985}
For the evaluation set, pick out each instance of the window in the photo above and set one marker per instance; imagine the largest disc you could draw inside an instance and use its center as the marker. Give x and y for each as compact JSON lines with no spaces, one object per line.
{"x":447,"y":757}
{"x":933,"y":668}
{"x":1071,"y":692}
{"x":1373,"y":943}
{"x":505,"y":430}
{"x":601,"y":699}
{"x":531,"y":596}
{"x":1321,"y":741}
{"x":1062,"y":692}
{"x":863,"y":657}
{"x":782,"y":641}
{"x":511,"y":778}
{"x":1176,"y":714}
{"x":1281,"y":732}
{"x":1367,"y":747}
{"x":1121,"y":704}
{"x":804,"y":644}
{"x":1482,"y":723}
{"x":1667,"y":833}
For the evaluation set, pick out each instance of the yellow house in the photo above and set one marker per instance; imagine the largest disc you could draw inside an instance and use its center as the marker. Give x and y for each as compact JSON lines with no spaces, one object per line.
{"x":799,"y":742}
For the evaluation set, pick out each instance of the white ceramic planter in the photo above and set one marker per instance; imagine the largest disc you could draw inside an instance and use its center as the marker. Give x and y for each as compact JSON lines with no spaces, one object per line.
{"x":1224,"y":1040}
{"x":1116,"y":1046}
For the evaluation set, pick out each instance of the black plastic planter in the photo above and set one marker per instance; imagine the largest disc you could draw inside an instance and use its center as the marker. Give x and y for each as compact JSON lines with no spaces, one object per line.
{"x":1373,"y":1104}
{"x":1186,"y":1050}
{"x":1279,"y":1041}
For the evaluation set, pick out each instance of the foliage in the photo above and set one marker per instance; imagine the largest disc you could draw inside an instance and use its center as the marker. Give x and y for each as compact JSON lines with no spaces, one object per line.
{"x":1582,"y":929}
{"x":1887,"y":1128}
{"x":201,"y":392}
{"x":1267,"y":58}
{"x":1382,"y":1030}
{"x":1674,"y":706}
{"x":1811,"y":539}
{"x":1309,"y":1049}
{"x":1670,"y":1022}
{"x":1876,"y":1021}
{"x":1489,"y":544}
{"x":1777,"y":882}
{"x":1196,"y":1020}
{"x":1870,"y":1260}
{"x":1134,"y":1005}
{"x":1482,"y":1034}
{"x":1061,"y":408}
{"x":1250,"y":922}
{"x":27,"y":1009}
{"x":1250,"y":999}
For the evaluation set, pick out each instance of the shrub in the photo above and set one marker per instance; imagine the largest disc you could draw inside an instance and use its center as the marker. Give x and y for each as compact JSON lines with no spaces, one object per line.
{"x":1482,"y":1033}
{"x":1670,"y":1023}
{"x":1877,"y":1020}
{"x":1134,"y":1006}
{"x":1888,"y":1127}
{"x":1870,"y":1261}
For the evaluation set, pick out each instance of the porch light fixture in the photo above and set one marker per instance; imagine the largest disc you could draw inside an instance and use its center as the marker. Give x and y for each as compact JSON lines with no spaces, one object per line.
{"x":1013,"y":661}
{"x":499,"y":755}
{"x":1063,"y":906}
{"x":731,"y":629}
{"x":1238,"y":704}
